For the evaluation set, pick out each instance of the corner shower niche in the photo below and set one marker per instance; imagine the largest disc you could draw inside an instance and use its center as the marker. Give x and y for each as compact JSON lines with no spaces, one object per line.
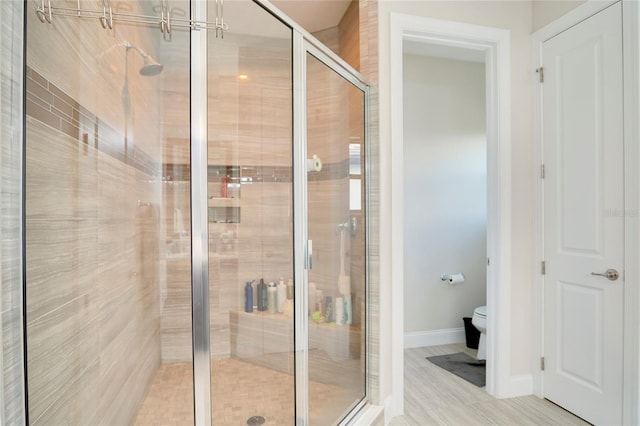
{"x":249,"y":231}
{"x":224,"y":183}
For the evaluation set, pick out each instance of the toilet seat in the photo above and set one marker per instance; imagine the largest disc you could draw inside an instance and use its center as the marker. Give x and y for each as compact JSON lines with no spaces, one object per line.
{"x":479,"y":321}
{"x":480,"y":311}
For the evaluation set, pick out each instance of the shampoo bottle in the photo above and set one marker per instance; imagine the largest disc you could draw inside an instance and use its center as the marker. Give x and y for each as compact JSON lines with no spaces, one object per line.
{"x":224,"y":187}
{"x":248,"y":297}
{"x":338,"y":309}
{"x":271,"y":297}
{"x":282,"y":295}
{"x":262,"y":295}
{"x":312,"y":298}
{"x":319,"y":301}
{"x":255,"y":295}
{"x":328,"y":309}
{"x":348,"y":310}
{"x":290,"y":289}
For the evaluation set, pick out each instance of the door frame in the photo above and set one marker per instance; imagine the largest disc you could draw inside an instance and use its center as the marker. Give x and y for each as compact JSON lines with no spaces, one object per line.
{"x":631,"y":132}
{"x":495,"y":43}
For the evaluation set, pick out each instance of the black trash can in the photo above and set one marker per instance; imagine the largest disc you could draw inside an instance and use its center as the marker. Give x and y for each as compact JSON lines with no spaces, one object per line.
{"x":471,"y":333}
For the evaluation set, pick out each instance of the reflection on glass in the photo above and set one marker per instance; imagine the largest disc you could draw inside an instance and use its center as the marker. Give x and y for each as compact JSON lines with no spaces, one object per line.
{"x":251,"y":219}
{"x":108,"y":226}
{"x":355,"y":158}
{"x":335,"y":117}
{"x":355,"y":170}
{"x":108,"y":263}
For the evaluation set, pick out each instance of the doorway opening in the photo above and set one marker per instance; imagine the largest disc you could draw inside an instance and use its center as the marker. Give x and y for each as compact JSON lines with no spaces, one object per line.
{"x":445,"y":187}
{"x":492,"y":45}
{"x":445,"y":222}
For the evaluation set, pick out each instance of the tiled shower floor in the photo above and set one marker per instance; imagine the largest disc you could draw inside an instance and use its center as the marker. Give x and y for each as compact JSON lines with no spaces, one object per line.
{"x":240,"y":390}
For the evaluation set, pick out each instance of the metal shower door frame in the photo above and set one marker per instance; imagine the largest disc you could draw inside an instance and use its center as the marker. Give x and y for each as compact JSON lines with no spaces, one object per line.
{"x":199,"y":221}
{"x":303,"y":43}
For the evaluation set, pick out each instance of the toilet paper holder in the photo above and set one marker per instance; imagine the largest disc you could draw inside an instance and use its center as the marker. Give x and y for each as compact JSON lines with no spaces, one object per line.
{"x":447,"y":277}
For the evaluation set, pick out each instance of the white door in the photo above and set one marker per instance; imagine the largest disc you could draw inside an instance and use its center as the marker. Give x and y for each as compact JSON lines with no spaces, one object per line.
{"x":583,"y":216}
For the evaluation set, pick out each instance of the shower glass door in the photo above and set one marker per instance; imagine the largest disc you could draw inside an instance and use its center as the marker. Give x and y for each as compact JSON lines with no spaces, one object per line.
{"x":250,"y":217}
{"x":108,"y":242}
{"x":161,"y":283}
{"x":336,"y":226}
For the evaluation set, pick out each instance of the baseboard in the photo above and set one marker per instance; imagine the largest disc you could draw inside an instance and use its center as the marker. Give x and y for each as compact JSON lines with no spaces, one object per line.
{"x":418,"y":339}
{"x":389,"y":411}
{"x":519,"y":385}
{"x":370,"y":415}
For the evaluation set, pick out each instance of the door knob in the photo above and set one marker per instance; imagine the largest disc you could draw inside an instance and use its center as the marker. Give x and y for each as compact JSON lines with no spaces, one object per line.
{"x":611,"y":274}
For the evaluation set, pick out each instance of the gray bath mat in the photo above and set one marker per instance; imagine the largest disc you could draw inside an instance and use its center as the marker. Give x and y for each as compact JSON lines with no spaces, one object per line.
{"x":462,"y":365}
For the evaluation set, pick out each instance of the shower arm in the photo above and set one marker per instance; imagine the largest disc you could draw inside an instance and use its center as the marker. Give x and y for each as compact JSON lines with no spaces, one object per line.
{"x":151,"y":67}
{"x":130,"y":46}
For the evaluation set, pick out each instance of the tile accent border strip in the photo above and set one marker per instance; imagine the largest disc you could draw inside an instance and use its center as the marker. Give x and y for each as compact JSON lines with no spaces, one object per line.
{"x":51,"y":106}
{"x":254,"y":174}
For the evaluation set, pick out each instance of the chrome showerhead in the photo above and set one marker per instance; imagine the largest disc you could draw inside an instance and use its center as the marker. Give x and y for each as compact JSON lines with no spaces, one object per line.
{"x":151,"y":67}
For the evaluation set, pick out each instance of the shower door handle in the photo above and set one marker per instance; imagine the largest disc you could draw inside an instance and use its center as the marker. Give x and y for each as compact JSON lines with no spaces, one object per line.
{"x":309,"y":263}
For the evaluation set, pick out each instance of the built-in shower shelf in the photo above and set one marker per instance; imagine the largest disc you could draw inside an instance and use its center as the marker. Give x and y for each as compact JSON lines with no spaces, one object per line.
{"x":224,"y":202}
{"x":218,"y":256}
{"x":259,"y":333}
{"x":224,"y":209}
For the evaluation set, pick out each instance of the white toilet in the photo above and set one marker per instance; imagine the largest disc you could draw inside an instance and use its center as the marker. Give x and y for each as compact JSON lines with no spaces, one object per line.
{"x":479,"y":320}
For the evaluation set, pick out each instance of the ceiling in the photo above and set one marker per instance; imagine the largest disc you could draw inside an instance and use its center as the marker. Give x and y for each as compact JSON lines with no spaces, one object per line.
{"x":441,"y":51}
{"x":314,"y":15}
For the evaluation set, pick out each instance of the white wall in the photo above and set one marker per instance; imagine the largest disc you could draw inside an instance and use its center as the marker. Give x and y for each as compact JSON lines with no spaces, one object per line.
{"x":515,"y":16}
{"x":445,"y":191}
{"x":547,"y":11}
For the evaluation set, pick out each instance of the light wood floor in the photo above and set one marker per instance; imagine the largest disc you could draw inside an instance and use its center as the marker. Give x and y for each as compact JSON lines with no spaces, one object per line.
{"x":433,"y":396}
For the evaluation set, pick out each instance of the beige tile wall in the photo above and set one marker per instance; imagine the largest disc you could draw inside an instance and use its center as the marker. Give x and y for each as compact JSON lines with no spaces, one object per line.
{"x":344,"y":38}
{"x":250,"y":125}
{"x":87,"y":63}
{"x":93,"y":225}
{"x":330,"y":37}
{"x":92,"y":302}
{"x":349,"y":27}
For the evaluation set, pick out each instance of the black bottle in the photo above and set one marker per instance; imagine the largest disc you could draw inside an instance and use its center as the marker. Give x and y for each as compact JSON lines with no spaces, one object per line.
{"x":262,"y":295}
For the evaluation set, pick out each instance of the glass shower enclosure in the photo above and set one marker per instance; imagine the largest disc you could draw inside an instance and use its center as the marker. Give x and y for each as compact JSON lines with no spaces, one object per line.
{"x":195,"y":217}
